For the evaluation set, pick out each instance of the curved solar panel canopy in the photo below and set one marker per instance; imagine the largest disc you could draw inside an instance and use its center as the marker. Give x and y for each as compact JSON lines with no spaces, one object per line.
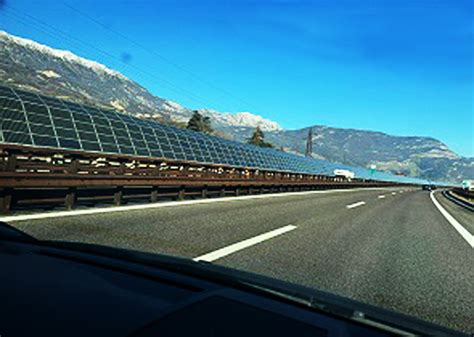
{"x":31,"y":119}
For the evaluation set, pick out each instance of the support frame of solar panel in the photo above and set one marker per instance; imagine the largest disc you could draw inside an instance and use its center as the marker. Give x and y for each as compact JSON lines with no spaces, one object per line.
{"x":31,"y":119}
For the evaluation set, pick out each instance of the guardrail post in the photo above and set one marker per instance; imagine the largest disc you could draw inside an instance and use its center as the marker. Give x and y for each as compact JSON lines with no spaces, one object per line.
{"x":6,"y":200}
{"x":11,"y":162}
{"x":204,"y":192}
{"x":237,"y":191}
{"x":118,"y":195}
{"x":121,"y":168}
{"x":222,"y":192}
{"x":154,"y":194}
{"x":70,"y":199}
{"x":181,"y":193}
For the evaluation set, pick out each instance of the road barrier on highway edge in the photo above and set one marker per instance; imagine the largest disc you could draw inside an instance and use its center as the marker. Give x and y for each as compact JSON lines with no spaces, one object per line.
{"x":461,"y":197}
{"x":32,"y":177}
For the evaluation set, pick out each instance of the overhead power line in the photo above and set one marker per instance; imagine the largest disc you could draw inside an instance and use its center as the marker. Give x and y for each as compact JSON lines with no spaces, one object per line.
{"x":156,"y":54}
{"x":54,"y":32}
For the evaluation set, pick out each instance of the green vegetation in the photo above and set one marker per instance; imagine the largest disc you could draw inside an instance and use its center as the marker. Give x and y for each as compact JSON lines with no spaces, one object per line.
{"x":258,"y":138}
{"x":200,"y":123}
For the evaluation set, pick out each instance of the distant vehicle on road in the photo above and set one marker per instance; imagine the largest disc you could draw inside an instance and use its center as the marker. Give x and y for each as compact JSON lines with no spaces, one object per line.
{"x":428,"y":187}
{"x":349,"y":175}
{"x":468,"y":184}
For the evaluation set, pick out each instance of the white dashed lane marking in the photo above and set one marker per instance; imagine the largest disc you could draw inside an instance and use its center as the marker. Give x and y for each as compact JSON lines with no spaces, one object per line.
{"x":217,"y":254}
{"x":357,"y":204}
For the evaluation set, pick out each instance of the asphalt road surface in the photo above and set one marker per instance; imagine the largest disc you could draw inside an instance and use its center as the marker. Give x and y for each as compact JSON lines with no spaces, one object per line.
{"x":379,"y":246}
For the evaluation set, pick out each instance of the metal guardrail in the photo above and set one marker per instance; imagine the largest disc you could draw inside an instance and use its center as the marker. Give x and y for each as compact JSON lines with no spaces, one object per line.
{"x":45,"y":177}
{"x":461,"y":197}
{"x":464,"y":193}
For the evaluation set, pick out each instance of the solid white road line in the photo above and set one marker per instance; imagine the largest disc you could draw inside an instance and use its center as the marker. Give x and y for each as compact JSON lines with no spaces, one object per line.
{"x":381,"y":196}
{"x":59,"y":214}
{"x":457,"y":226}
{"x":357,"y":204}
{"x":217,"y":254}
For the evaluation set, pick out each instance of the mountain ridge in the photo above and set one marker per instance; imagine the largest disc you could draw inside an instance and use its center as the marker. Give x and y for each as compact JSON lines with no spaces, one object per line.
{"x":146,"y":103}
{"x":29,"y":65}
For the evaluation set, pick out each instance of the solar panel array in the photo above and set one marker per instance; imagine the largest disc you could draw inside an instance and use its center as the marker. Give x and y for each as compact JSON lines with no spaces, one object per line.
{"x":30,"y":119}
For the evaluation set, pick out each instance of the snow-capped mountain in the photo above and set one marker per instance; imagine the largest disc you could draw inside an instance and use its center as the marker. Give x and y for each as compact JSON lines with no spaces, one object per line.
{"x":64,"y":55}
{"x":31,"y":65}
{"x":241,"y":119}
{"x":28,"y":65}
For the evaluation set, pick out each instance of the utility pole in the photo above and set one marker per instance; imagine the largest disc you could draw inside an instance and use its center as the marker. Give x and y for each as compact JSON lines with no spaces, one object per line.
{"x":309,"y":144}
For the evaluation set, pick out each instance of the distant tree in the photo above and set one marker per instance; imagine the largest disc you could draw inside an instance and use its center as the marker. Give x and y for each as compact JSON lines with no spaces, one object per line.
{"x":199,"y":123}
{"x":195,"y":122}
{"x":258,"y":138}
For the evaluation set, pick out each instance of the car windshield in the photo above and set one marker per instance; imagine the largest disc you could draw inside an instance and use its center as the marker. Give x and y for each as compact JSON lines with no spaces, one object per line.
{"x":329,"y":144}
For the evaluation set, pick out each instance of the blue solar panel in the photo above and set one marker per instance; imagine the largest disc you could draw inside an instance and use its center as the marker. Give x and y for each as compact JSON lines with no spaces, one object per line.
{"x":32,"y":119}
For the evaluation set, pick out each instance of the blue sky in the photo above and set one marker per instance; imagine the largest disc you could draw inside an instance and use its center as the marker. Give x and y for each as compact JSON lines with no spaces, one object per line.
{"x":401,"y":67}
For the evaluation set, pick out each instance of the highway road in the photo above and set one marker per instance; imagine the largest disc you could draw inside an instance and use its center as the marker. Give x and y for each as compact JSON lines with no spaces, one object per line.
{"x":381,"y":246}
